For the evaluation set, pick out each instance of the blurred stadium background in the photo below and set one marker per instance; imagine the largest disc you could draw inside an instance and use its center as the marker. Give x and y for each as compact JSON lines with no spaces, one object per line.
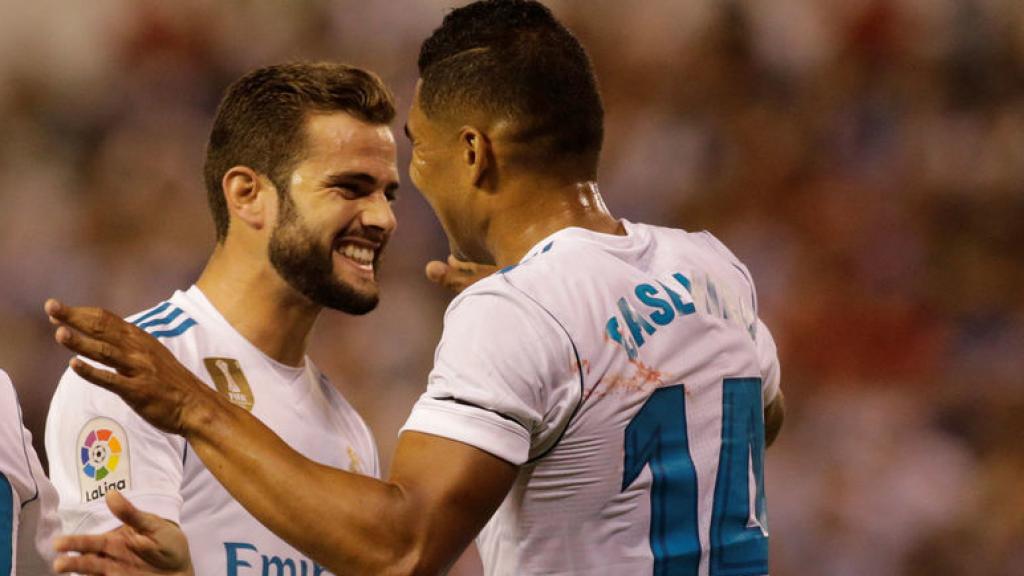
{"x":864,"y":157}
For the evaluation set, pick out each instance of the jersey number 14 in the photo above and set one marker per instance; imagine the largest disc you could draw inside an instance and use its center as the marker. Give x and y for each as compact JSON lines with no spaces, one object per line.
{"x":657,"y":436}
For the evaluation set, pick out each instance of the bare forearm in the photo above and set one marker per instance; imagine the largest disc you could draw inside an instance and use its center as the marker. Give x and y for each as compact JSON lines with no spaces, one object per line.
{"x":774,"y":415}
{"x":350,"y":524}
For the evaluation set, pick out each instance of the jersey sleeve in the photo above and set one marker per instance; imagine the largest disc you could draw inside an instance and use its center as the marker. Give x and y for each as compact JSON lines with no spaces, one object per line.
{"x":768,"y":359}
{"x":28,"y":511}
{"x":503,"y":377}
{"x":96,"y":444}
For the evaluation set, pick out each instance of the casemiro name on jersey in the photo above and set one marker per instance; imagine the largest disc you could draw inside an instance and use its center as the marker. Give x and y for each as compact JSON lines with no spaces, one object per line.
{"x":670,"y":298}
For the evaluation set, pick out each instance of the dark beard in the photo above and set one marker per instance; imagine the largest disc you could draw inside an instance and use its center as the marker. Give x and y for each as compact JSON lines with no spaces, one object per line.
{"x":308,"y":266}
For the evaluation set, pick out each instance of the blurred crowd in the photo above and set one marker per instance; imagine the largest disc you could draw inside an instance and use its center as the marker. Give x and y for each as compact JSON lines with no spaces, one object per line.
{"x":864,"y":157}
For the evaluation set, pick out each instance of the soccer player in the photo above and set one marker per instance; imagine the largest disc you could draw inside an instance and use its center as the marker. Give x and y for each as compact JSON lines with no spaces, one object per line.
{"x":600,"y":405}
{"x":28,"y":502}
{"x":300,"y":173}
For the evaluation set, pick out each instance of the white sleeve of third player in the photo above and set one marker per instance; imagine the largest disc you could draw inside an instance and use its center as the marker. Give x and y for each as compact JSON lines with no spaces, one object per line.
{"x":28,"y":511}
{"x":503,"y":378}
{"x":96,"y":443}
{"x":768,"y":358}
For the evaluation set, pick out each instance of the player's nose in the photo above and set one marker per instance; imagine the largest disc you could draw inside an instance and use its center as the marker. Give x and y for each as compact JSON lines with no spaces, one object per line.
{"x":377,"y":213}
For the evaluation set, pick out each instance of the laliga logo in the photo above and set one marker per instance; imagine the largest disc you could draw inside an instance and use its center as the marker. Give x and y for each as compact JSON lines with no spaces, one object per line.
{"x":101,"y":452}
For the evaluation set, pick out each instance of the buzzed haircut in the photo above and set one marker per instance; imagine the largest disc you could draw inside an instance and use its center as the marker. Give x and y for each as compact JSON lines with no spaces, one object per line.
{"x":512,"y":59}
{"x":261,"y":119}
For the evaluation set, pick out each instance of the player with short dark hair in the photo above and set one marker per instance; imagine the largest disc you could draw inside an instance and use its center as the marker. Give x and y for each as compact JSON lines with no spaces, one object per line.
{"x":515,"y":60}
{"x":596,"y":405}
{"x":300,"y":172}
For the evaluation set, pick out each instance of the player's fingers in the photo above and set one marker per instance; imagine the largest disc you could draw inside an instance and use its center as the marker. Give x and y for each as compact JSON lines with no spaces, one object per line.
{"x":112,"y":381}
{"x":81,"y":543}
{"x":146,"y":548}
{"x":436,"y":271}
{"x":471,"y":271}
{"x":95,"y":322}
{"x":98,"y":350}
{"x":126,"y":512}
{"x":460,"y":265}
{"x":54,"y":308}
{"x":87,"y":565}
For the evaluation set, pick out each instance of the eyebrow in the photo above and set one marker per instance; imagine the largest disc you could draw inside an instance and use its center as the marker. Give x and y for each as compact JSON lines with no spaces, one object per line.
{"x":363,"y":178}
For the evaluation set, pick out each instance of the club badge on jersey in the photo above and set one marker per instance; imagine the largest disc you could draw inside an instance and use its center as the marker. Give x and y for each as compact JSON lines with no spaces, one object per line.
{"x":103,"y":459}
{"x":230,"y":381}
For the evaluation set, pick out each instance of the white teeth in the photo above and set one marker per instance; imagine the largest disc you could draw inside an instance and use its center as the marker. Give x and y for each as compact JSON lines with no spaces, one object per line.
{"x":359,"y":254}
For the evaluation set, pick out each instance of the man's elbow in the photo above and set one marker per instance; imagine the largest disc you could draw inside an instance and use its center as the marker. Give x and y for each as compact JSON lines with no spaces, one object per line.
{"x":410,"y":549}
{"x":412,"y":562}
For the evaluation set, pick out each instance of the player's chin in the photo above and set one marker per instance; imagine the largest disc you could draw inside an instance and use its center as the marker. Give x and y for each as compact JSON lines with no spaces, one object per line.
{"x":354,"y":294}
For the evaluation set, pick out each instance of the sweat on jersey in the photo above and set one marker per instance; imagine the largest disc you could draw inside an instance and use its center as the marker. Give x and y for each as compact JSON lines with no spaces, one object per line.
{"x":626,"y":377}
{"x":97,"y":443}
{"x":28,"y":502}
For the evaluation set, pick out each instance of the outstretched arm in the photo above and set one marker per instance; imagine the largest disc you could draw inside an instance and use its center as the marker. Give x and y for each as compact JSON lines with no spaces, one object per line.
{"x":440,"y":492}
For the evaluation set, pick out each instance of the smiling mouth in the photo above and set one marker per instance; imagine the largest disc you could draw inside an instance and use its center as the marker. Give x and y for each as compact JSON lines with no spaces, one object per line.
{"x":362,"y":257}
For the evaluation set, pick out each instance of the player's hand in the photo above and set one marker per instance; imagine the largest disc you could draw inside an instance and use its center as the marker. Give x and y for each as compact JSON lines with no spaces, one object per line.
{"x":146,"y":545}
{"x":147,"y":376}
{"x":457,"y":275}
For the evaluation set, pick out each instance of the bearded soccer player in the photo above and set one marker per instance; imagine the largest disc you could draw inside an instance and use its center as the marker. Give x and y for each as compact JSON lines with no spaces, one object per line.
{"x":300,"y":173}
{"x":597,"y":406}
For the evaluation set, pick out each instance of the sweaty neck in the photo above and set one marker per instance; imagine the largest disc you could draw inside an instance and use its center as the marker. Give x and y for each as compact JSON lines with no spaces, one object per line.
{"x":536,"y":212}
{"x":258,"y":303}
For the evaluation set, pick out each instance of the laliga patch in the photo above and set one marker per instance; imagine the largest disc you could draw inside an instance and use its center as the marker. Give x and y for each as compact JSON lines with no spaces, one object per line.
{"x":102,"y":459}
{"x":230,"y":381}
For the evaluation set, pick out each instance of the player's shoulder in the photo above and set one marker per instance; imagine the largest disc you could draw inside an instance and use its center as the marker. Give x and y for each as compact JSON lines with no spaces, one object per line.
{"x":9,"y":411}
{"x":170,"y":320}
{"x":713,"y":244}
{"x":6,"y":387}
{"x":488,"y":295}
{"x":504,"y":311}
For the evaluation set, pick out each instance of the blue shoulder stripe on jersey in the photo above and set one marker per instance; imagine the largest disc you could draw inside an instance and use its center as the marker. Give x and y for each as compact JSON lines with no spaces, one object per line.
{"x":162,"y":321}
{"x":178,"y":331}
{"x":151,"y":313}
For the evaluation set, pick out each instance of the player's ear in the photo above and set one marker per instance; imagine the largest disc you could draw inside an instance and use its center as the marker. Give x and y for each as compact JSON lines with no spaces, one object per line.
{"x":476,"y":155}
{"x":245,"y":192}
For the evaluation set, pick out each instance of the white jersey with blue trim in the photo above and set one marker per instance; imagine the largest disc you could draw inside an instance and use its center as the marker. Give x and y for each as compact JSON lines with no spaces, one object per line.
{"x":28,"y":502}
{"x":97,"y":443}
{"x":626,"y":377}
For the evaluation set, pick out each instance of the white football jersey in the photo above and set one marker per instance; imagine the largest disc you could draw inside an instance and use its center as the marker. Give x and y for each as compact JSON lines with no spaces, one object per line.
{"x":626,"y":376}
{"x":97,"y":443}
{"x":28,"y":502}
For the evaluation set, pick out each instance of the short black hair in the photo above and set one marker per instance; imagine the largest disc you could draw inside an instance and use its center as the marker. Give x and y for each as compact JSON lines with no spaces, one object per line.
{"x":261,"y":119}
{"x":514,"y":59}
